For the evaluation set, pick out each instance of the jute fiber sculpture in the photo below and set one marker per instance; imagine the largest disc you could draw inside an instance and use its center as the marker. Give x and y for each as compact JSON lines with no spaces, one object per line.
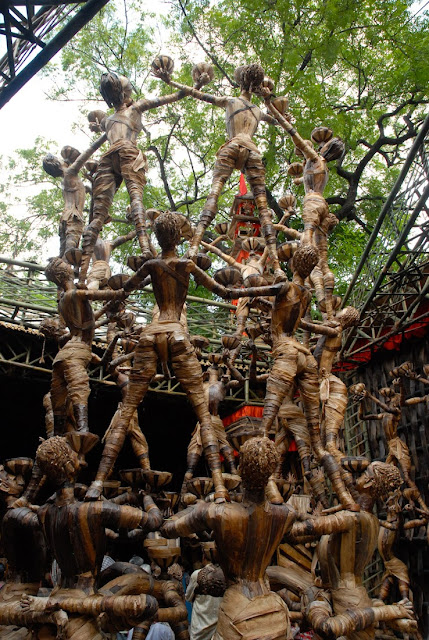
{"x":318,"y":221}
{"x":122,"y":162}
{"x":214,"y":391}
{"x":75,"y":533}
{"x":390,"y":418}
{"x":166,"y":340}
{"x":239,"y":152}
{"x":69,"y":372}
{"x":72,"y":220}
{"x":249,"y":609}
{"x":294,"y":364}
{"x":347,"y":546}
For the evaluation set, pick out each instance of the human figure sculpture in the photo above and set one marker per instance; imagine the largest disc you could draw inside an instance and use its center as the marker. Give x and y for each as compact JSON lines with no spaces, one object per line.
{"x":333,"y":391}
{"x":75,"y":533}
{"x":251,"y":270}
{"x":345,"y":549}
{"x":318,"y":221}
{"x":239,"y":152}
{"x":246,"y":536}
{"x":136,"y":436}
{"x":72,"y":221}
{"x":123,"y":161}
{"x":294,"y":365}
{"x":167,"y":340}
{"x":395,"y":570}
{"x":100,"y":271}
{"x":390,"y":418}
{"x":214,"y":390}
{"x":69,"y":370}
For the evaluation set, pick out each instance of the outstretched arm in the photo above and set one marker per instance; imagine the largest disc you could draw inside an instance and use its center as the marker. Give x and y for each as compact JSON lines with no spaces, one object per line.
{"x":202,"y":278}
{"x":319,"y":328}
{"x":322,"y":525}
{"x":120,"y":240}
{"x":225,"y":257}
{"x":145,"y":105}
{"x":186,"y":522}
{"x":80,"y":160}
{"x":307,"y":149}
{"x":200,"y":95}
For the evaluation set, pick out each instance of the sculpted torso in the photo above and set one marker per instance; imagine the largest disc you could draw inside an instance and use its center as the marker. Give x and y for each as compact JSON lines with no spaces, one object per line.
{"x":315,"y":175}
{"x":242,"y":117}
{"x":170,"y":292}
{"x":124,"y":124}
{"x":73,"y":192}
{"x":78,"y":315}
{"x":246,"y":538}
{"x":289,"y":307}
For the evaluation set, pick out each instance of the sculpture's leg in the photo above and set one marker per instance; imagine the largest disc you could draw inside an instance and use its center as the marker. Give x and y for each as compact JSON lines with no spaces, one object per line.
{"x":255,"y":173}
{"x":78,"y":390}
{"x":62,"y":236}
{"x":334,"y":410}
{"x":135,"y":191}
{"x":188,"y":371}
{"x":195,"y":449}
{"x":279,"y":384}
{"x":104,"y":188}
{"x":59,"y":398}
{"x":223,"y":168}
{"x":297,"y":425}
{"x":225,"y":448}
{"x":308,"y":383}
{"x":73,"y":233}
{"x":314,"y":208}
{"x":328,"y":285}
{"x":139,"y":442}
{"x":143,"y":370}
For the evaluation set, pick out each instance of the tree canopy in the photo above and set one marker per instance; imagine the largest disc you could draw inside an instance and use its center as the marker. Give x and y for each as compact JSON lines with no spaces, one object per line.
{"x":358,"y":67}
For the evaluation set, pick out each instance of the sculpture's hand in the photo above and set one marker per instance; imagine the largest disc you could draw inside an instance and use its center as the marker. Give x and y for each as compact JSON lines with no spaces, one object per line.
{"x":94,"y":492}
{"x":279,"y":276}
{"x":407,"y":609}
{"x":61,"y":620}
{"x":26,"y":602}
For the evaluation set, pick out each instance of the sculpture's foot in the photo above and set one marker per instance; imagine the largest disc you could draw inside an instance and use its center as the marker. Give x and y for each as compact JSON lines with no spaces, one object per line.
{"x":221,"y":495}
{"x":94,"y":492}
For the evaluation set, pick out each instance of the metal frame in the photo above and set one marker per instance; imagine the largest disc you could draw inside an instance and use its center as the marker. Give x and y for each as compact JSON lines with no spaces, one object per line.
{"x":27,"y":26}
{"x":391,"y":281}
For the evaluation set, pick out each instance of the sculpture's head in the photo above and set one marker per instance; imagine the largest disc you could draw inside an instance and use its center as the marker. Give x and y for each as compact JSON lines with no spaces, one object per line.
{"x":258,"y":460}
{"x":53,"y":327}
{"x":380,"y":480}
{"x":249,"y":77}
{"x":53,"y":166}
{"x":116,"y":90}
{"x":167,"y":228}
{"x":59,"y":272}
{"x":348,"y":317}
{"x":57,"y":460}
